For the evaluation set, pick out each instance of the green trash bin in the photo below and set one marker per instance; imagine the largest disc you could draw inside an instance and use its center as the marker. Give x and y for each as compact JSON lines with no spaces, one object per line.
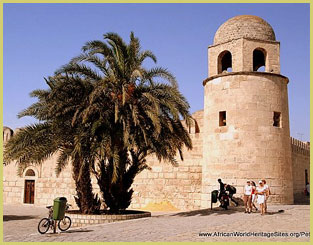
{"x":59,"y":205}
{"x":214,"y":195}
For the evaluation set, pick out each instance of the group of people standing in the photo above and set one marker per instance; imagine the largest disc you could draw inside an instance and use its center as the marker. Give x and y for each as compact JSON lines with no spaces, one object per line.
{"x":254,"y":193}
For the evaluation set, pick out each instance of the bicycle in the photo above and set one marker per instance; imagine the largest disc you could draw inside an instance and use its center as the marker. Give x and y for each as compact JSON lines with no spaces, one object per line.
{"x":46,"y":223}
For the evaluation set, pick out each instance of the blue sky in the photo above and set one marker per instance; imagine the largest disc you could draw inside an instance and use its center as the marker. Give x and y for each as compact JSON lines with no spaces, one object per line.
{"x":39,"y":38}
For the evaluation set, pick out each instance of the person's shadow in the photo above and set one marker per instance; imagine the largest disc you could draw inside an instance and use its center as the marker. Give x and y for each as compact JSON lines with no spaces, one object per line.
{"x":276,"y":212}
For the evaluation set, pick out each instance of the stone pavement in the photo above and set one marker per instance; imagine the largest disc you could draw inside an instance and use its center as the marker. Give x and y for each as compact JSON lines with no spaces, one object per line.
{"x":20,"y":225}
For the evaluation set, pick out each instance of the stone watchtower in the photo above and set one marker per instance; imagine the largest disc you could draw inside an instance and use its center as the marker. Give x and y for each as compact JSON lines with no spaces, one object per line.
{"x":246,"y":118}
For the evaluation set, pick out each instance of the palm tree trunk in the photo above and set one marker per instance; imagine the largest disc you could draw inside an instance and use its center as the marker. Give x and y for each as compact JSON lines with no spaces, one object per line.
{"x":87,"y":202}
{"x":117,"y":196}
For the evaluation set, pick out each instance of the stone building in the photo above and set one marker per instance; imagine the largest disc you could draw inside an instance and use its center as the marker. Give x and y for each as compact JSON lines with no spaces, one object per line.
{"x":241,"y":134}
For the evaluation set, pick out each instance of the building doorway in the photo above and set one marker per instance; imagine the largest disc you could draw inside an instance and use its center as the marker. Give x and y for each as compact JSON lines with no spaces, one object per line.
{"x":306,"y":176}
{"x":29,"y":191}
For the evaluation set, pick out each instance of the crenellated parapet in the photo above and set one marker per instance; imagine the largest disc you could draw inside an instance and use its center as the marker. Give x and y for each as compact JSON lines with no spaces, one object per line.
{"x":300,"y":147}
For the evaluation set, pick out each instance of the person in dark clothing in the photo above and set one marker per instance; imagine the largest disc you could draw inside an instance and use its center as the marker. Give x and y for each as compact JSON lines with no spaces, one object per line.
{"x":222,"y":188}
{"x":231,"y":190}
{"x":307,"y":187}
{"x":222,"y":185}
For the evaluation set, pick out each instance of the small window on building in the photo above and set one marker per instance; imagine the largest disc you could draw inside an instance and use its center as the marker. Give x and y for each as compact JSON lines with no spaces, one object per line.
{"x":222,"y":121}
{"x":224,"y":62}
{"x":30,"y":172}
{"x":259,"y":59}
{"x":277,"y":119}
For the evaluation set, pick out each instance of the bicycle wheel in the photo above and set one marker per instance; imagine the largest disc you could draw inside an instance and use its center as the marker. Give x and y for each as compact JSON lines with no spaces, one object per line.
{"x":65,"y":223}
{"x":43,"y":225}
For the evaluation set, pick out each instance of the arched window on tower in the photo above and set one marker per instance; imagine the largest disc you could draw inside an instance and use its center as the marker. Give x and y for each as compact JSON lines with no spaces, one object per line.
{"x":224,"y":62}
{"x":259,"y":57}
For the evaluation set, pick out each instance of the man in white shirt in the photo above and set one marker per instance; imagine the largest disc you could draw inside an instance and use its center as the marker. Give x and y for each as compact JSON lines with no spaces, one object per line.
{"x":247,"y":197}
{"x":268,"y":192}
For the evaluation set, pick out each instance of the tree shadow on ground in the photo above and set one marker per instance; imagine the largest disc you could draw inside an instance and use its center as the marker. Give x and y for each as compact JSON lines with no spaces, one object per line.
{"x":18,"y":217}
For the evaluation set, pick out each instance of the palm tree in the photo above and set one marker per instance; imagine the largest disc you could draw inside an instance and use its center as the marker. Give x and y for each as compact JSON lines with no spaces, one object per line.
{"x":55,"y":133}
{"x":132,"y":112}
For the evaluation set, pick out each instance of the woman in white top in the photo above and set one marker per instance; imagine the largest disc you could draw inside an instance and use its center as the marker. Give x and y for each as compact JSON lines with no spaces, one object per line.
{"x":247,"y":197}
{"x":261,"y":192}
{"x":253,"y":196}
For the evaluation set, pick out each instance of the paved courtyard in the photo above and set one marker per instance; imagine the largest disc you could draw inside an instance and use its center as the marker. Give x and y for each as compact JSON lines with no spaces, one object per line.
{"x":293,"y":224}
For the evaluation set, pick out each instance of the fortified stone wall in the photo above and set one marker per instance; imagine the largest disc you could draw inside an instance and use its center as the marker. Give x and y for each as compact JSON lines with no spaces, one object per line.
{"x":301,"y":167}
{"x":180,"y":186}
{"x":47,"y":185}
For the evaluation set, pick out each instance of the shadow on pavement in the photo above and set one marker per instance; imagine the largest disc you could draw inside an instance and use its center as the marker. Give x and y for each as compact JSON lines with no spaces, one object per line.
{"x":18,"y":217}
{"x":217,"y":210}
{"x":220,"y":211}
{"x":302,"y":202}
{"x":76,"y":231}
{"x":277,"y":212}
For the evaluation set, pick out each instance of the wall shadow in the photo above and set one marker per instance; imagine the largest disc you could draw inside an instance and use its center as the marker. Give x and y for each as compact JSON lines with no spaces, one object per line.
{"x":301,"y":200}
{"x":208,"y":211}
{"x":221,"y":211}
{"x":18,"y":217}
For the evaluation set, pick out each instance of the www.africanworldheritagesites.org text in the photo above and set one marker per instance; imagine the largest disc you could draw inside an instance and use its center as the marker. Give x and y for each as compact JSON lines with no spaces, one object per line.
{"x":254,"y":234}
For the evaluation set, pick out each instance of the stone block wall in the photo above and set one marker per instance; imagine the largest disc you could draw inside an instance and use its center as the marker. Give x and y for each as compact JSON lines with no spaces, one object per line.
{"x":181,"y":185}
{"x":47,"y":185}
{"x":301,"y":166}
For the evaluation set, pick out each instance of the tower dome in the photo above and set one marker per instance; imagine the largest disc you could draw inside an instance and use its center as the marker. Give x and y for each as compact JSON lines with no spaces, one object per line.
{"x":244,"y":26}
